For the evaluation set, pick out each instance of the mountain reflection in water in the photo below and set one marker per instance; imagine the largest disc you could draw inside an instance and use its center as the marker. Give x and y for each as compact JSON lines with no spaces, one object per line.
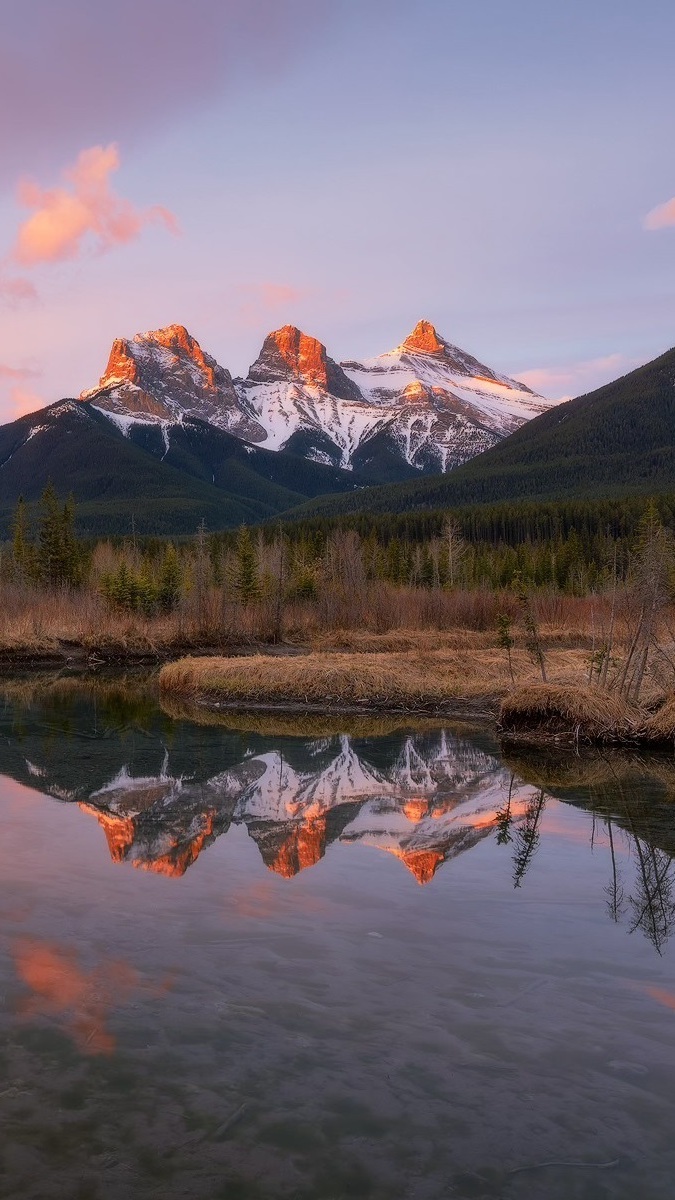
{"x":424,"y":796}
{"x":163,"y":790}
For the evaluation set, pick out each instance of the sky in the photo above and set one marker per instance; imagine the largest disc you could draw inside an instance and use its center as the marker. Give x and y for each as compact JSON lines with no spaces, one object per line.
{"x":504,"y":169}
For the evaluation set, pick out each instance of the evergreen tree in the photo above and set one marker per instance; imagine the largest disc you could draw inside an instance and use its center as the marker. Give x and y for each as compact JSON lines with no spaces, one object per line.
{"x":169,"y":580}
{"x":20,"y":544}
{"x":49,"y":537}
{"x":70,"y":554}
{"x":246,"y":579}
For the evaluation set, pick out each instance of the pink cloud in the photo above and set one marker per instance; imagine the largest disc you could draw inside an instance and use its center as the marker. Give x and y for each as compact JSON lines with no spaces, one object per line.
{"x":263,"y":301}
{"x":15,"y":289}
{"x":662,"y":216}
{"x":575,"y":379}
{"x":64,"y":218}
{"x":22,"y":401}
{"x":19,"y":398}
{"x":7,"y":372}
{"x":275,"y":295}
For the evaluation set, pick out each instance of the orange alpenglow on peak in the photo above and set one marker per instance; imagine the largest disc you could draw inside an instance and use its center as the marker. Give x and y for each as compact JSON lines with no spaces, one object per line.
{"x":423,"y":864}
{"x":171,"y":336}
{"x":290,"y":354}
{"x":305,"y":356}
{"x":424,"y":340}
{"x":123,"y":364}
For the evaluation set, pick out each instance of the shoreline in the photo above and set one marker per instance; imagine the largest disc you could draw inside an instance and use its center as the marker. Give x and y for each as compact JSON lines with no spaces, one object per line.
{"x":81,"y":657}
{"x":564,"y":711}
{"x":439,"y":684}
{"x":457,"y":710}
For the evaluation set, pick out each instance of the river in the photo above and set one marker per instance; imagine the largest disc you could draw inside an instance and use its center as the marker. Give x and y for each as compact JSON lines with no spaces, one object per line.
{"x":305,"y":959}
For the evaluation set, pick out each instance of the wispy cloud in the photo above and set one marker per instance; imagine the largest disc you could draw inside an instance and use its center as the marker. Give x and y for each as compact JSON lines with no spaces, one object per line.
{"x":59,"y":59}
{"x":575,"y":379}
{"x":661,"y":217}
{"x":17,"y":397}
{"x":16,"y":288}
{"x":265,"y":301}
{"x":85,"y":212}
{"x":22,"y":401}
{"x":13,"y":373}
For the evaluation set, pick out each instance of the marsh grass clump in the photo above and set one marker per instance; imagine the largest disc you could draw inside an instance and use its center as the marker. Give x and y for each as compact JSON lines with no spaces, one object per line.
{"x":424,"y":681}
{"x":544,"y":711}
{"x":659,"y":727}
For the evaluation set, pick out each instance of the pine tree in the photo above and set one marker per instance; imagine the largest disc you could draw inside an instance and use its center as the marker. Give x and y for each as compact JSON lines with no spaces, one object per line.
{"x":20,"y":545}
{"x":505,"y":639}
{"x":246,"y":579}
{"x":50,"y":539}
{"x":169,"y":580}
{"x":70,"y":556}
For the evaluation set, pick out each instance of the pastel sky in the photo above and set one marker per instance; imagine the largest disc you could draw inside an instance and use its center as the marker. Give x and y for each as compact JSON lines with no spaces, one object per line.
{"x":504,"y":168}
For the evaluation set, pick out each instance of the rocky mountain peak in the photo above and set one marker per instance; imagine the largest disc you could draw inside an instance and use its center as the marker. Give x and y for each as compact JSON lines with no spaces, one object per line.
{"x":290,"y":354}
{"x":424,"y":340}
{"x":163,"y":375}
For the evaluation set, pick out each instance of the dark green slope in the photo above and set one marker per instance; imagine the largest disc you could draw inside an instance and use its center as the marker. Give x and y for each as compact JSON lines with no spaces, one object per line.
{"x":619,"y":439}
{"x":205,"y":475}
{"x":219,"y":458}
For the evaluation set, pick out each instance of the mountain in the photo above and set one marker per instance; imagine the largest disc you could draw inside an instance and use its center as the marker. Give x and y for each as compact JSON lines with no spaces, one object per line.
{"x":616,"y":440}
{"x":166,"y":477}
{"x":425,"y":406}
{"x":168,"y":438}
{"x":163,"y":376}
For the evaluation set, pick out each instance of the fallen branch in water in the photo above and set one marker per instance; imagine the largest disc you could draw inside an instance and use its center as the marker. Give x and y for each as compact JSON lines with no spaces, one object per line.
{"x":536,"y":1166}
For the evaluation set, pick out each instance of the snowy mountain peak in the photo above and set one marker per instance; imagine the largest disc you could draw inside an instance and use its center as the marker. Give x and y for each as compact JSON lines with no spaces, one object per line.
{"x":164,"y":375}
{"x":424,"y":340}
{"x":288,"y":354}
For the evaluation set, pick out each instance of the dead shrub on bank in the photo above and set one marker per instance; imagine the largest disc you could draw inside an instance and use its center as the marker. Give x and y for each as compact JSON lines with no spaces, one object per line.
{"x":584,"y":714}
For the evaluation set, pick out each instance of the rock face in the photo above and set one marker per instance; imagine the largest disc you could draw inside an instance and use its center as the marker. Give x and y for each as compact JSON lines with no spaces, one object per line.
{"x":291,"y":356}
{"x":164,"y":375}
{"x":425,"y":406}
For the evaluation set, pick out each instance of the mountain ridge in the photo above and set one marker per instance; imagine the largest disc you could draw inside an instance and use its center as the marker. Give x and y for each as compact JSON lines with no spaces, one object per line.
{"x":427,"y":405}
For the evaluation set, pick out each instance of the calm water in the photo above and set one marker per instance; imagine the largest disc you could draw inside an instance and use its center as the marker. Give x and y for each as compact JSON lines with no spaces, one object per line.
{"x":298,"y":960}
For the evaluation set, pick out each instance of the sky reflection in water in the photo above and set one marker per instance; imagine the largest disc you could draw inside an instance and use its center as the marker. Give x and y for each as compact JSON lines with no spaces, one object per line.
{"x":384,"y":962}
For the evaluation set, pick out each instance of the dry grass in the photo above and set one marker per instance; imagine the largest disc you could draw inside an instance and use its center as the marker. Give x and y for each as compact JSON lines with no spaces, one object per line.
{"x":660,"y":726}
{"x":441,"y":679}
{"x":587,"y":714}
{"x":399,"y":641}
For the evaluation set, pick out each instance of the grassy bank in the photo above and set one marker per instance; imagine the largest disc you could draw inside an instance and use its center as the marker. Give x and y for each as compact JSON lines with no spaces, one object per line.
{"x":467,"y":680}
{"x":470,"y":679}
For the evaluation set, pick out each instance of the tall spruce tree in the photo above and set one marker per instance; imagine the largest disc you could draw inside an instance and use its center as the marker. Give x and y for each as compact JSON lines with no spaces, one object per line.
{"x":20,"y":544}
{"x":57,"y":555}
{"x":50,"y":536}
{"x":246,"y":579}
{"x":168,"y":593}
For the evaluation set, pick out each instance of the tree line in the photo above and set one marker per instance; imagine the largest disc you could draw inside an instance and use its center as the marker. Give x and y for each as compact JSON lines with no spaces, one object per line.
{"x":575,"y":548}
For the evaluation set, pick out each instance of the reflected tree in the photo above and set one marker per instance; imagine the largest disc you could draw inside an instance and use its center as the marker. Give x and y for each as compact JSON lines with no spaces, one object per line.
{"x":653,"y":905}
{"x":527,"y":837}
{"x":614,"y":889}
{"x":504,"y":818}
